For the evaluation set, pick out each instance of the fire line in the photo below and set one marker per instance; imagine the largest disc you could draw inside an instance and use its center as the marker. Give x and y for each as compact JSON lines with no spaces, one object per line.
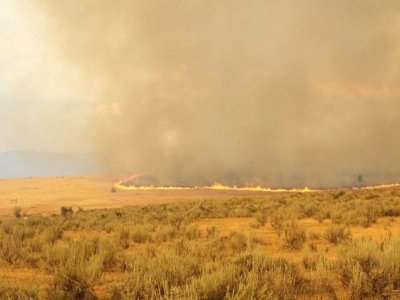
{"x":123,"y":185}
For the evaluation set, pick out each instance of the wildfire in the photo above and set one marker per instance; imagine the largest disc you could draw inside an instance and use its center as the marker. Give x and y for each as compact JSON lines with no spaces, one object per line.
{"x":133,"y":184}
{"x":122,"y":185}
{"x":219,"y":186}
{"x":375,"y":187}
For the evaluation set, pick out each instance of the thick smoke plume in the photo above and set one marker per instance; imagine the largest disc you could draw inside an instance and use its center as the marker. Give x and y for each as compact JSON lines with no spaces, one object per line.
{"x":280,"y":93}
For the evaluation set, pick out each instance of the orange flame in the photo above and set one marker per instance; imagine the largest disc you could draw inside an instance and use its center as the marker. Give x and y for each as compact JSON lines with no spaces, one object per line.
{"x":375,"y":187}
{"x":126,"y":185}
{"x":129,"y":185}
{"x":216,"y":186}
{"x":219,"y":186}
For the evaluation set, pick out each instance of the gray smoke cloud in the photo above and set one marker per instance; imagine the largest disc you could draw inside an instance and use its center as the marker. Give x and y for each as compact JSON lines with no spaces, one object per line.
{"x":280,"y":93}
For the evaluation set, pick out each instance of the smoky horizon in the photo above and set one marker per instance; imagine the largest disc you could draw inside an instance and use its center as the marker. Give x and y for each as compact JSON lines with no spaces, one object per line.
{"x":272,"y":93}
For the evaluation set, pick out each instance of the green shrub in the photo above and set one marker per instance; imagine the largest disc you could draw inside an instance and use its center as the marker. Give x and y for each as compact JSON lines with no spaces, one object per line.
{"x":18,"y":293}
{"x":17,"y":212}
{"x":78,"y":271}
{"x":157,"y":277}
{"x":321,"y":215}
{"x":237,"y":241}
{"x":261,"y":217}
{"x":189,"y":266}
{"x":66,"y":211}
{"x":54,"y":233}
{"x":10,"y":249}
{"x":23,"y":233}
{"x":313,"y":262}
{"x":141,"y":234}
{"x":277,"y":222}
{"x":294,"y":236}
{"x":337,"y":234}
{"x":251,"y":276}
{"x":165,"y":233}
{"x":7,"y":227}
{"x":212,"y":232}
{"x":192,"y":232}
{"x":211,"y":249}
{"x":216,"y":284}
{"x":266,"y":278}
{"x":338,"y":195}
{"x":368,"y":270}
{"x":124,"y":237}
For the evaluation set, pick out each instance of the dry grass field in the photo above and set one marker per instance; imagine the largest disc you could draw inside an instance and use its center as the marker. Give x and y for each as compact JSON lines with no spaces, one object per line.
{"x":73,"y":238}
{"x":47,"y":195}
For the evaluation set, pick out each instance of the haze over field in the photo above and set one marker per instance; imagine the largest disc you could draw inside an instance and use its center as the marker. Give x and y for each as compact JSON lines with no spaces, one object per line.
{"x":41,"y":164}
{"x":287,"y":93}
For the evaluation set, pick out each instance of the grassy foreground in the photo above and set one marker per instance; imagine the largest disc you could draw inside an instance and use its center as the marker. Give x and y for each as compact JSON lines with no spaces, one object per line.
{"x":324,"y":245}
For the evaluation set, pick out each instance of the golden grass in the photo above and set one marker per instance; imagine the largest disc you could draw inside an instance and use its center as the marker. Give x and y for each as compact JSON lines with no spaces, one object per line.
{"x":169,"y":229}
{"x":47,"y":195}
{"x":273,"y":246}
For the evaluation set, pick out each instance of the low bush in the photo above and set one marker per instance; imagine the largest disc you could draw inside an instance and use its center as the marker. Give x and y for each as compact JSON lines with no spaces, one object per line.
{"x":277,"y":222}
{"x":212,"y":232}
{"x":19,"y":293}
{"x":124,"y":238}
{"x":141,"y":234}
{"x":66,"y":211}
{"x":10,"y":249}
{"x":54,"y":233}
{"x":368,"y":270}
{"x":237,"y":241}
{"x":294,"y":236}
{"x":337,"y":234}
{"x":78,"y":270}
{"x":192,"y":232}
{"x":165,"y":233}
{"x":176,"y":260}
{"x":17,"y":212}
{"x":261,"y":217}
{"x":251,"y":276}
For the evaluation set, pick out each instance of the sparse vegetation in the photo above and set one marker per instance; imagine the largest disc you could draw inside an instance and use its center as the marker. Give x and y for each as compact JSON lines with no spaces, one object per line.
{"x":337,"y":234}
{"x":294,"y":236}
{"x":66,"y":211}
{"x":369,"y":270}
{"x":78,"y":270}
{"x":194,"y":250}
{"x":261,"y":217}
{"x":18,"y":293}
{"x":17,"y":212}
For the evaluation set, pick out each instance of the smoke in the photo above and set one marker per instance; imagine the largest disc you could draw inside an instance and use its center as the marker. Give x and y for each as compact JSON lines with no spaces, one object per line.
{"x":280,"y":93}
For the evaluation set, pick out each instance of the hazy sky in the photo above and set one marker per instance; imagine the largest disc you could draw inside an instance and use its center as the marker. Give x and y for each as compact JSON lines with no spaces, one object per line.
{"x":39,"y":106}
{"x":272,"y":92}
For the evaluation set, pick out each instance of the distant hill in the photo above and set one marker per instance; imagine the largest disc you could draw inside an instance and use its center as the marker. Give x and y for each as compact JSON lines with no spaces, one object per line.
{"x":32,"y":164}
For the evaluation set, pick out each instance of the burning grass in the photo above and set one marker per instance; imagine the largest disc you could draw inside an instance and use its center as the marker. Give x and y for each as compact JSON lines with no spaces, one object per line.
{"x":216,"y":186}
